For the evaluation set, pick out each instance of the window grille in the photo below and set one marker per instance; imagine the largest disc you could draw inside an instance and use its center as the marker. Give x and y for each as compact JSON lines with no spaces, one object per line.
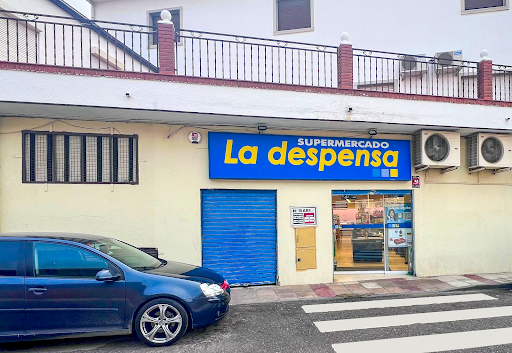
{"x":61,"y":157}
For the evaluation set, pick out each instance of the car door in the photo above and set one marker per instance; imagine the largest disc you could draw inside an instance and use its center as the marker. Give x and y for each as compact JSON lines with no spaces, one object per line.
{"x":12,"y":287}
{"x":63,"y":295}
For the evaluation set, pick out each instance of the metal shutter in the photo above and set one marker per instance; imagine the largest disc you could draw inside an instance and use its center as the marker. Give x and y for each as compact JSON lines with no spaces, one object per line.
{"x":239,"y":235}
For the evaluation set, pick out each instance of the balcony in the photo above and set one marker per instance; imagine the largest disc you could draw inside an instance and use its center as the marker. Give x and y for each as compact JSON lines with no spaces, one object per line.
{"x":36,"y":43}
{"x":81,"y":43}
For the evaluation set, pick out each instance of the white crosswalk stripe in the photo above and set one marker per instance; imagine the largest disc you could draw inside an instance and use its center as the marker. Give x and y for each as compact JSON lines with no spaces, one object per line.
{"x":395,"y":303}
{"x":431,"y":343}
{"x":410,"y":319}
{"x":415,"y":344}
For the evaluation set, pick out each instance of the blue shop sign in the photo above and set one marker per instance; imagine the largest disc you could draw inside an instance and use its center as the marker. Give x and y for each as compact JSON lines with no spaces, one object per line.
{"x":283,"y":157}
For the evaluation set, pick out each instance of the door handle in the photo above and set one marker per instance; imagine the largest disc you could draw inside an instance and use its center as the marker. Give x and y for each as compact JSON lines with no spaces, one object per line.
{"x":37,"y":291}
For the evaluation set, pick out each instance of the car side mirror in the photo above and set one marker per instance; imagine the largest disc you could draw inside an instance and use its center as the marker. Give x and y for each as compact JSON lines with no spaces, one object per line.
{"x":107,"y":276}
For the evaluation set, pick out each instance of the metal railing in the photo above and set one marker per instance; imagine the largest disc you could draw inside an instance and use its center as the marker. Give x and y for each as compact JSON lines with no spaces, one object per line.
{"x":414,"y":74}
{"x":502,"y":82}
{"x":76,"y":42}
{"x":80,"y":42}
{"x":216,"y":55}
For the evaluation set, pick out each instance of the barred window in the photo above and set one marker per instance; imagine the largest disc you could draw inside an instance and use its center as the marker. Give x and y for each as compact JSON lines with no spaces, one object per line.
{"x":61,"y":157}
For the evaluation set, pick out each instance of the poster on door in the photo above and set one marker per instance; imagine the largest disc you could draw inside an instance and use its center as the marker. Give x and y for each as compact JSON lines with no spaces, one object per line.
{"x":398,"y":216}
{"x":399,"y":237}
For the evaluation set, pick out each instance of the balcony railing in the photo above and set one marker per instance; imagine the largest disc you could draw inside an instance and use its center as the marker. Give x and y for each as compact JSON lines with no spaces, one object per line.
{"x":215,"y":55}
{"x":76,"y":42}
{"x":414,"y":74}
{"x":502,"y":82}
{"x":83,"y":43}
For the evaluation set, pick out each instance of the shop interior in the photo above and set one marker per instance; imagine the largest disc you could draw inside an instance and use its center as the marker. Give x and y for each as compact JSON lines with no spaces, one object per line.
{"x":372,"y":231}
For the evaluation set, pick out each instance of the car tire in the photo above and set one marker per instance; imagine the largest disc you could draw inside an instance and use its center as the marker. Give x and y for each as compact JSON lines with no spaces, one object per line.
{"x":161,"y":322}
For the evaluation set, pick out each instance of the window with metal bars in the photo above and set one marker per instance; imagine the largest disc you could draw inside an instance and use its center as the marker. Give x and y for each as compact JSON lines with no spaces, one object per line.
{"x":62,"y":157}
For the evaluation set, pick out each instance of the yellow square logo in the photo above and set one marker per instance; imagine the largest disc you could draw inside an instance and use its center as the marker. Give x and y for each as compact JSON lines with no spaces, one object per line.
{"x":393,"y":173}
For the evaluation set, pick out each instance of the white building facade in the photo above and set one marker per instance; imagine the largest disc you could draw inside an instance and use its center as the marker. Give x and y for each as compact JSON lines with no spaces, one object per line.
{"x":226,"y":139}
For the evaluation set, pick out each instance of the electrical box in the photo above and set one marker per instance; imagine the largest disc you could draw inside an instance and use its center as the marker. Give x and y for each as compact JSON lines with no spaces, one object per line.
{"x":305,"y":248}
{"x":305,"y":237}
{"x":306,"y":258}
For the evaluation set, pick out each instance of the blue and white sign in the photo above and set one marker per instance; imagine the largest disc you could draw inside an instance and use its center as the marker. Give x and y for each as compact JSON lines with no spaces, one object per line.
{"x":282,"y":157}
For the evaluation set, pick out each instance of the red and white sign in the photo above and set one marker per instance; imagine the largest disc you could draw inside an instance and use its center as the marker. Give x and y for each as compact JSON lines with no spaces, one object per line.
{"x":303,"y":217}
{"x":416,"y":182}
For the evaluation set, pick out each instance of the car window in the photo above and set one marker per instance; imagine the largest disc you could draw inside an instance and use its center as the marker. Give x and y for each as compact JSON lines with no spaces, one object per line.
{"x":9,"y":255}
{"x":60,"y":260}
{"x":127,"y":254}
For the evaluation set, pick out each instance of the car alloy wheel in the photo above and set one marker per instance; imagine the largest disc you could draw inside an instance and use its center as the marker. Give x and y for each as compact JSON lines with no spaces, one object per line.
{"x":161,"y":322}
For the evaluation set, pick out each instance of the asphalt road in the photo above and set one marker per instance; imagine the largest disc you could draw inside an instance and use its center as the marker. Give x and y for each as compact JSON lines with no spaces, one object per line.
{"x":286,"y":327}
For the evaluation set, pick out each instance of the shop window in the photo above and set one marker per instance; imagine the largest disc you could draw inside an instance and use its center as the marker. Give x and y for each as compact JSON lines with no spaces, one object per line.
{"x":293,"y":15}
{"x":372,"y":231}
{"x":472,"y":6}
{"x":154,"y":17}
{"x":60,"y":157}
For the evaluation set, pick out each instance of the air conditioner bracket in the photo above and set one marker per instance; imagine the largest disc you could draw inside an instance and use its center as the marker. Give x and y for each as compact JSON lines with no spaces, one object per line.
{"x":475,"y":169}
{"x":420,"y":167}
{"x":449,"y":169}
{"x":501,"y":170}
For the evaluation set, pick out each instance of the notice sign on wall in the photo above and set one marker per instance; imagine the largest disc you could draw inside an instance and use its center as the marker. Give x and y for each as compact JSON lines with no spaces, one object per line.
{"x":303,"y":216}
{"x":287,"y":157}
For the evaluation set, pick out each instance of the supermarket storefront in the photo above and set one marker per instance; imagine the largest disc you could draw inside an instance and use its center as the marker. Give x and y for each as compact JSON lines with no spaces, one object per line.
{"x":371,"y":230}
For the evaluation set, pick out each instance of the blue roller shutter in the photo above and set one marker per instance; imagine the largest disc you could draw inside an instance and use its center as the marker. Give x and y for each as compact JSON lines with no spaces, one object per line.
{"x":239,"y":235}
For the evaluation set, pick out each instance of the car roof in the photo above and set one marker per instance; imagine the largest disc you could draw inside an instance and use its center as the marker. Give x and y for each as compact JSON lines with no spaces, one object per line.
{"x":76,"y":237}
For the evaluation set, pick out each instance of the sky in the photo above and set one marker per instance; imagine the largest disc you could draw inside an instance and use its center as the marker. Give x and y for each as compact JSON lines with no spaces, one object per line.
{"x":81,"y":5}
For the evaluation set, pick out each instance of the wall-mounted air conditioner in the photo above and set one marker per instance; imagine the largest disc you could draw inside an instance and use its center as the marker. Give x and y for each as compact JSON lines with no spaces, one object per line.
{"x":413,"y":65}
{"x":436,"y":149}
{"x":448,"y":61}
{"x":489,"y":151}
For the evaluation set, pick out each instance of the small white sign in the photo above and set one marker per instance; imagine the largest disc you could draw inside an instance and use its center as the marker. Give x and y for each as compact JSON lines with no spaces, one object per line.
{"x":303,"y":217}
{"x":194,"y":137}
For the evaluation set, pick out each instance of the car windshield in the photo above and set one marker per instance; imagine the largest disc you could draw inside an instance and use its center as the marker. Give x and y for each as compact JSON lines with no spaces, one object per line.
{"x":127,"y":254}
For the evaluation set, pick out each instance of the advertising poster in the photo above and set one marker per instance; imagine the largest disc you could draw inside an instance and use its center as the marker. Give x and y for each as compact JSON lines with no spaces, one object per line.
{"x":399,"y":237}
{"x":398,"y":216}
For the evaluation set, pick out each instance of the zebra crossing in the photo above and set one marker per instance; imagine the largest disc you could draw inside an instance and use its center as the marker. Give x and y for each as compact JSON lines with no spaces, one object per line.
{"x":348,"y":317}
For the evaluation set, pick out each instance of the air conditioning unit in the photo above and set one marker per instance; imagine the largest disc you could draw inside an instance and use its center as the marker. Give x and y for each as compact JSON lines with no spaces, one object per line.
{"x":489,"y":151}
{"x":436,"y":149}
{"x":413,"y":65}
{"x":449,"y":60}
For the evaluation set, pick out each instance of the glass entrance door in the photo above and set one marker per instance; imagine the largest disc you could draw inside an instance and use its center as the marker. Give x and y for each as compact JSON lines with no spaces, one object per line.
{"x":372,"y":230}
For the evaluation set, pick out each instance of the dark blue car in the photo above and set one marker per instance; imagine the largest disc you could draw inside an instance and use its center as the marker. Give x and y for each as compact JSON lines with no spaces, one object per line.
{"x":56,"y":285}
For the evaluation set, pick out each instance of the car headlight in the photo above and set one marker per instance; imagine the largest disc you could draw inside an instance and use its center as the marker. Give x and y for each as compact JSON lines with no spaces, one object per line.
{"x":211,"y":290}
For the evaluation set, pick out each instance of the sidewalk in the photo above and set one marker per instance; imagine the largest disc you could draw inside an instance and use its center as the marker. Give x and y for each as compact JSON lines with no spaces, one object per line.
{"x":364,"y":285}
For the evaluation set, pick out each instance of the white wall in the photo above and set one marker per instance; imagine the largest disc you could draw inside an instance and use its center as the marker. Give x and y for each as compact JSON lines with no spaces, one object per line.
{"x":404,"y":26}
{"x":236,"y":106}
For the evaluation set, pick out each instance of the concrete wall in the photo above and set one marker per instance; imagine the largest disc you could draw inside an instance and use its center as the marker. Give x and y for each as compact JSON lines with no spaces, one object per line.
{"x":460,"y":226}
{"x":415,"y":27}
